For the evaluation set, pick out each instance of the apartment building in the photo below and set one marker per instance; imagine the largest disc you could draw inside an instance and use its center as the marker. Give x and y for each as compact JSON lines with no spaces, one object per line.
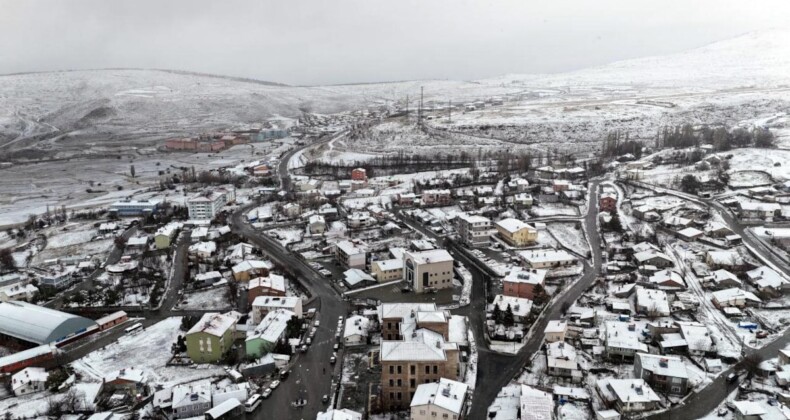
{"x":516,"y":233}
{"x":474,"y":230}
{"x":428,"y":270}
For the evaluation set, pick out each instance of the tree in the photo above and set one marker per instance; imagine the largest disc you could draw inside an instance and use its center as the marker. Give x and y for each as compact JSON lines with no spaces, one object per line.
{"x":763,"y":138}
{"x":131,"y":170}
{"x":690,"y":184}
{"x":539,"y":295}
{"x":119,"y":241}
{"x":751,"y":363}
{"x":498,"y":316}
{"x":7,"y":259}
{"x":293,"y":328}
{"x":509,"y":319}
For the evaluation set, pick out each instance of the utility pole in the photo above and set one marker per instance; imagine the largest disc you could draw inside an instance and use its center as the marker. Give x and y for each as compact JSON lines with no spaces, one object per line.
{"x":450,"y":111}
{"x":407,"y":107}
{"x":419,"y":114}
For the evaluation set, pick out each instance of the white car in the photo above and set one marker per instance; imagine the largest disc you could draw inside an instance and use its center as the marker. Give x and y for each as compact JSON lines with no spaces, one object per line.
{"x":274,"y":385}
{"x":317,"y":323}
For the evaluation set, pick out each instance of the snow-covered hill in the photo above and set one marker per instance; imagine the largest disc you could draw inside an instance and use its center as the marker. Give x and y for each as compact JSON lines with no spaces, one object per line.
{"x":113,"y":106}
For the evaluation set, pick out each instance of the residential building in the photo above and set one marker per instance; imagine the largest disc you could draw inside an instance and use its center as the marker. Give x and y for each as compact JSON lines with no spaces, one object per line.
{"x":608,"y":202}
{"x":227,"y":410}
{"x":262,"y":305}
{"x":206,"y":205}
{"x":734,"y":297}
{"x":561,"y":361}
{"x":392,"y":315}
{"x":730,"y":260}
{"x":271,"y":330}
{"x":547,"y":258}
{"x":667,"y":280}
{"x":521,"y":282}
{"x":520,"y":307}
{"x":555,"y":331}
{"x":356,"y":331}
{"x":723,"y":279}
{"x":29,"y":380}
{"x":165,"y":235}
{"x":516,"y":233}
{"x":436,"y":198}
{"x":191,"y":400}
{"x":535,"y":404}
{"x":446,"y":399}
{"x":316,"y":224}
{"x":766,"y":279}
{"x":623,"y":341}
{"x":758,"y":210}
{"x":359,"y":174}
{"x":291,"y":210}
{"x":428,"y":270}
{"x":663,"y":373}
{"x":209,"y":339}
{"x":654,"y":258}
{"x":628,"y":395}
{"x":652,"y":302}
{"x":750,"y":410}
{"x":271,"y":285}
{"x":474,"y":231}
{"x":387,"y":270}
{"x":250,"y":269}
{"x":351,"y":254}
{"x":339,"y":414}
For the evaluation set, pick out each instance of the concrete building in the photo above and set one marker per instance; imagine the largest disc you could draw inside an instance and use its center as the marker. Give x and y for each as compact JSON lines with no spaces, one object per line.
{"x":474,"y":230}
{"x":561,"y":361}
{"x":191,"y":400}
{"x":628,"y":395}
{"x":262,"y":305}
{"x":436,"y":197}
{"x":271,"y":330}
{"x":29,"y":380}
{"x":555,"y":331}
{"x":271,"y":285}
{"x":547,"y":258}
{"x":22,"y":324}
{"x":165,"y":235}
{"x":387,"y":270}
{"x":356,"y":331}
{"x":608,"y":202}
{"x":250,"y":269}
{"x":206,"y":205}
{"x":359,"y":174}
{"x":663,"y":373}
{"x":428,"y":270}
{"x":133,"y":208}
{"x":516,"y":233}
{"x":351,"y":254}
{"x":446,"y":399}
{"x":521,"y":282}
{"x":316,"y":224}
{"x":209,"y":339}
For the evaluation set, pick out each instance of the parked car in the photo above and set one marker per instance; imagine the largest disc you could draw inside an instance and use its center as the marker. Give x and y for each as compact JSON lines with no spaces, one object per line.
{"x":266,"y":393}
{"x":325,"y":398}
{"x":332,"y":360}
{"x":274,"y":385}
{"x":298,"y":403}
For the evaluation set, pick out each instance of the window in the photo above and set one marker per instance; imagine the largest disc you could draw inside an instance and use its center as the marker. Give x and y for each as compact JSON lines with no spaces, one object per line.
{"x":392,"y":382}
{"x":412,"y":382}
{"x":427,"y":369}
{"x":435,"y":369}
{"x":400,"y":382}
{"x":399,"y":396}
{"x":412,"y":369}
{"x":400,"y":369}
{"x":392,"y":369}
{"x":392,"y":395}
{"x":444,"y":416}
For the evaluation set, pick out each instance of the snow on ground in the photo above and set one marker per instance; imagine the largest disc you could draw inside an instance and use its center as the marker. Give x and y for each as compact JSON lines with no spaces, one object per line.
{"x":554,"y":209}
{"x":156,"y":341}
{"x":288,"y":236}
{"x":570,"y":235}
{"x":574,"y":411}
{"x":211,"y":298}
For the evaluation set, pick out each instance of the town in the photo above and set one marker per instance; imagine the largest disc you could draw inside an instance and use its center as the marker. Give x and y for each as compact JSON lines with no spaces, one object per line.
{"x":512,"y":286}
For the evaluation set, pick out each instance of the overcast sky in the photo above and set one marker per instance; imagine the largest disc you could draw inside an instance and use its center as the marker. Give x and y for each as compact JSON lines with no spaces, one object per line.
{"x":339,"y":41}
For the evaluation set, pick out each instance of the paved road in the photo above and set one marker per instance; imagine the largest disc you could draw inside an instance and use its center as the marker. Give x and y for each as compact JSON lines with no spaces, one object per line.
{"x":495,"y":370}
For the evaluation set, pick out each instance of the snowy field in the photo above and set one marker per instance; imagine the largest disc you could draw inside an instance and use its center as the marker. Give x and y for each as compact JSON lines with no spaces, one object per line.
{"x":211,"y":298}
{"x":126,"y":352}
{"x":569,"y":235}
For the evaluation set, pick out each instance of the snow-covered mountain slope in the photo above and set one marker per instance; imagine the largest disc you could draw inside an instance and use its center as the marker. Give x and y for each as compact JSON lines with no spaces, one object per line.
{"x":113,"y":106}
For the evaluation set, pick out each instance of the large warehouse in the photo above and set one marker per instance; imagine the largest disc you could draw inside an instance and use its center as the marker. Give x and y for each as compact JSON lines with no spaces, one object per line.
{"x":22,"y":323}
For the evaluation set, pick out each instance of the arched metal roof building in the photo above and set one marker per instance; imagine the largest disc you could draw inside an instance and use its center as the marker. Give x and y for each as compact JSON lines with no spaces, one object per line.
{"x":37,"y":324}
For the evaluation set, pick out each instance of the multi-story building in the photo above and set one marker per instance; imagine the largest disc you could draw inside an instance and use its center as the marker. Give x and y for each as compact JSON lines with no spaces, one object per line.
{"x":663,"y":373}
{"x":521,"y":282}
{"x":628,"y":395}
{"x":608,"y":202}
{"x":474,"y":230}
{"x":268,"y":333}
{"x":436,"y":197}
{"x":387,"y":270}
{"x":212,"y":336}
{"x":271,"y":285}
{"x":516,"y":233}
{"x":262,"y":305}
{"x":206,"y":205}
{"x":351,"y":254}
{"x":428,"y":270}
{"x":133,"y":208}
{"x":547,"y":258}
{"x":446,"y":399}
{"x":359,"y":174}
{"x":418,"y":353}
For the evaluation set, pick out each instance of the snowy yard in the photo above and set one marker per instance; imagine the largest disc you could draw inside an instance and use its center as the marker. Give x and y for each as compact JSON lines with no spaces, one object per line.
{"x":211,"y":298}
{"x":156,"y":341}
{"x":570,"y":235}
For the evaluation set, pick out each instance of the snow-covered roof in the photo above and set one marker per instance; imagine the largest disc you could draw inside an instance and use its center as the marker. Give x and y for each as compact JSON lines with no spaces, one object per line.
{"x":536,"y":404}
{"x":350,"y":248}
{"x":355,"y":276}
{"x":447,"y":394}
{"x":556,"y":326}
{"x":729,"y":257}
{"x":430,"y":256}
{"x":316,"y":219}
{"x":697,"y":336}
{"x":37,"y":324}
{"x":339,"y":414}
{"x":209,"y":275}
{"x":287,"y":302}
{"x":403,"y":310}
{"x":719,"y":276}
{"x":749,"y":408}
{"x":213,"y":323}
{"x":652,"y":300}
{"x":272,"y":281}
{"x":130,"y":374}
{"x":691,"y":232}
{"x":521,"y":307}
{"x":575,"y":393}
{"x":758,"y":206}
{"x":632,"y":390}
{"x":664,"y":276}
{"x":356,"y":325}
{"x":561,"y":355}
{"x":190,"y":394}
{"x":620,"y":335}
{"x":766,"y":277}
{"x":421,"y":345}
{"x":734,"y":293}
{"x":272,"y":326}
{"x":474,"y":219}
{"x":512,"y":225}
{"x":27,"y":354}
{"x":27,"y":375}
{"x":665,"y":365}
{"x":523,"y":275}
{"x":391,"y":264}
{"x":248,"y":265}
{"x":208,"y":247}
{"x":137,"y":241}
{"x":648,"y":255}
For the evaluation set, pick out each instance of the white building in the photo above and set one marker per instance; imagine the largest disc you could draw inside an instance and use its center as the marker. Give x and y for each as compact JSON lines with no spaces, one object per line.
{"x":547,"y":258}
{"x":205,"y":206}
{"x":652,"y":302}
{"x":29,"y":380}
{"x":317,"y":224}
{"x":474,"y":230}
{"x":351,"y":254}
{"x":443,"y":400}
{"x":431,"y":269}
{"x":536,"y":404}
{"x":339,"y":414}
{"x":356,"y":331}
{"x":264,"y":304}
